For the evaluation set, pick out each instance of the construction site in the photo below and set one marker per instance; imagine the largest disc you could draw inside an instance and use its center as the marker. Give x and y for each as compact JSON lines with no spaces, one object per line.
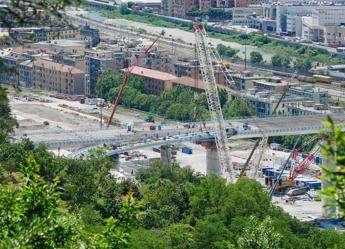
{"x":232,"y":149}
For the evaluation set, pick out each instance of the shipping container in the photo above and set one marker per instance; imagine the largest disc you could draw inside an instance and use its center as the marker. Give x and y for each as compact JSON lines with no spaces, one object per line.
{"x":187,"y":150}
{"x":314,"y":185}
{"x":264,"y":170}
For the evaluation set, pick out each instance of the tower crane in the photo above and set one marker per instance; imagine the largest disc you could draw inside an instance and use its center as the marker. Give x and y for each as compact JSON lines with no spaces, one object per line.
{"x":127,"y":75}
{"x":205,"y":60}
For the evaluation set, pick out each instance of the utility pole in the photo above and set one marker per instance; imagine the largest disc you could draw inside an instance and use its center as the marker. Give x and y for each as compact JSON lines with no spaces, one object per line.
{"x":101,"y":120}
{"x":245,"y":54}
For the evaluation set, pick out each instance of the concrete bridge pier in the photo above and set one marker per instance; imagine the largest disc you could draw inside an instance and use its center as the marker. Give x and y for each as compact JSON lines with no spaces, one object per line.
{"x":212,"y":160}
{"x":166,"y":154}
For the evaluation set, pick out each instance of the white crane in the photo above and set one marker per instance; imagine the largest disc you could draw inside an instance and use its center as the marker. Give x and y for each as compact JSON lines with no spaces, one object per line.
{"x":206,"y":66}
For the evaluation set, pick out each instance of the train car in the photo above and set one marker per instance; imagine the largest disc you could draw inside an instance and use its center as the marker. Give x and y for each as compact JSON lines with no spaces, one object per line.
{"x":322,"y":78}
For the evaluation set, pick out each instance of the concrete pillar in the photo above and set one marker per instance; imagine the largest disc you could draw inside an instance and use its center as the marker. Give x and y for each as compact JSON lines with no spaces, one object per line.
{"x":166,"y":155}
{"x":212,"y":160}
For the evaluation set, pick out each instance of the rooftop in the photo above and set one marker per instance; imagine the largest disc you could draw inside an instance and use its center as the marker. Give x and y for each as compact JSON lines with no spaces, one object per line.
{"x":56,"y":66}
{"x":190,"y":82}
{"x":63,"y":42}
{"x":154,"y":74}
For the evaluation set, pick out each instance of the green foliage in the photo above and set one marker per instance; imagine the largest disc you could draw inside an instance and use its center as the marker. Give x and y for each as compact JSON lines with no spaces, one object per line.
{"x":334,"y":151}
{"x":260,"y":235}
{"x":306,"y":143}
{"x":7,"y":122}
{"x":302,"y":64}
{"x":277,"y":60}
{"x":124,"y":9}
{"x":226,"y":51}
{"x":237,"y":108}
{"x":178,"y":103}
{"x":255,"y":57}
{"x":106,"y":81}
{"x":30,"y":214}
{"x":116,"y":234}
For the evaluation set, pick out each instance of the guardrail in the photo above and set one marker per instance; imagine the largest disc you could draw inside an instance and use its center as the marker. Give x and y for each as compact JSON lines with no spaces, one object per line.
{"x":207,"y":136}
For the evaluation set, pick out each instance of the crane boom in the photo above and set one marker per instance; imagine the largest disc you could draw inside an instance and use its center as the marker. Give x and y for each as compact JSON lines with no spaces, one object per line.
{"x":126,"y":77}
{"x":204,"y":57}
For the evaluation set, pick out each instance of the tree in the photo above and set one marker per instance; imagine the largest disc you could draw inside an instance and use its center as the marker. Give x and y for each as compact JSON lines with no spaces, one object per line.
{"x":255,"y":57}
{"x":286,"y":61}
{"x":124,"y":10}
{"x":106,"y":81}
{"x":276,"y":60}
{"x":238,"y":108}
{"x":7,"y":122}
{"x":303,"y":64}
{"x":31,"y":215}
{"x":334,"y":172}
{"x":180,"y":236}
{"x":260,"y":235}
{"x":226,"y":51}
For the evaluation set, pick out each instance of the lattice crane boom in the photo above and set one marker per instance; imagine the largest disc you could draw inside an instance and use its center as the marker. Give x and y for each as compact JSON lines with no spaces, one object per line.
{"x":205,"y":60}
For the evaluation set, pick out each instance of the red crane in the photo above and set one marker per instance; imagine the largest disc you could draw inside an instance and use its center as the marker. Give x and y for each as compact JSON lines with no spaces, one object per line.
{"x":302,"y":167}
{"x":126,"y":77}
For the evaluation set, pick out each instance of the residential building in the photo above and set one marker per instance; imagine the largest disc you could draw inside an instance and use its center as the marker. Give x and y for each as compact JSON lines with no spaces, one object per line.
{"x":52,"y":76}
{"x":70,"y":59}
{"x":160,"y":60}
{"x":264,"y":102}
{"x":246,"y":15}
{"x":38,"y":34}
{"x":11,"y":62}
{"x":178,"y":8}
{"x":97,"y":61}
{"x":244,"y":80}
{"x":311,"y":30}
{"x":155,"y":81}
{"x":72,"y":46}
{"x":335,"y":35}
{"x":310,"y":93}
{"x":272,"y":84}
{"x":25,"y":73}
{"x":63,"y":33}
{"x":91,"y":35}
{"x":29,"y":34}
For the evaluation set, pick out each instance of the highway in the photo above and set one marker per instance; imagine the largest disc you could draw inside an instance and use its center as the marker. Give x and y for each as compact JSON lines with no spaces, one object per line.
{"x":272,"y":126}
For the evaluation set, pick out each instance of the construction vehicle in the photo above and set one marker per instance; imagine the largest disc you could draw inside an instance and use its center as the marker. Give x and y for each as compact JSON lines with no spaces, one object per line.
{"x":289,"y":182}
{"x":204,"y":53}
{"x":152,"y":127}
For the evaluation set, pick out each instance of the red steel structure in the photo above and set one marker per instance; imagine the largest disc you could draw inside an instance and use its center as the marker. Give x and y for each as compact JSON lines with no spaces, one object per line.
{"x":126,"y":77}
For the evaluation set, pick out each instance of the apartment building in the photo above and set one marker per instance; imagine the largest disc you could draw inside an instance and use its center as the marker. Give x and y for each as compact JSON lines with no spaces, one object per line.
{"x":178,"y":8}
{"x":335,"y":35}
{"x":38,"y":34}
{"x":97,"y":61}
{"x":11,"y":63}
{"x":52,"y":76}
{"x":155,"y":81}
{"x":66,"y":33}
{"x":72,"y":46}
{"x":25,"y":73}
{"x":310,"y":93}
{"x":90,"y":35}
